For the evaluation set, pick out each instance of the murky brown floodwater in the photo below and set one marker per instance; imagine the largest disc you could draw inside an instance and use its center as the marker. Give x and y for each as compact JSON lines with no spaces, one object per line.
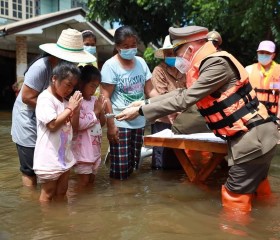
{"x":150,"y":205}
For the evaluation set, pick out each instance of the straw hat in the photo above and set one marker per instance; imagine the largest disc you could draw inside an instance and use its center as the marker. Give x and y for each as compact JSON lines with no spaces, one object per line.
{"x":166,"y":45}
{"x":69,"y":47}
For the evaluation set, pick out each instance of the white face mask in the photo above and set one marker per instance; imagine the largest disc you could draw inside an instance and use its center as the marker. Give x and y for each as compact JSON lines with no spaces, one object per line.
{"x":182,"y":64}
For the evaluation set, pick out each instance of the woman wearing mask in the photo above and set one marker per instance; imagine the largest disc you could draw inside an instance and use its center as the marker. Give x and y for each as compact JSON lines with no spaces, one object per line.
{"x":265,"y":76}
{"x":125,"y":79}
{"x":166,"y":78}
{"x":89,"y":40}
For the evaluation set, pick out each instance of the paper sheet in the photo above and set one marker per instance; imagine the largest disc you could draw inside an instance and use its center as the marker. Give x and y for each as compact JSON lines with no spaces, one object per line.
{"x":167,"y":133}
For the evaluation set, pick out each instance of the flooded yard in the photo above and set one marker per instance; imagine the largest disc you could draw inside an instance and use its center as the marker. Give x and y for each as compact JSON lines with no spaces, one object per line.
{"x":152,"y":204}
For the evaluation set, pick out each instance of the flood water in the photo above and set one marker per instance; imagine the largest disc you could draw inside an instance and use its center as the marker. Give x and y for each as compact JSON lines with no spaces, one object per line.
{"x":152,"y":204}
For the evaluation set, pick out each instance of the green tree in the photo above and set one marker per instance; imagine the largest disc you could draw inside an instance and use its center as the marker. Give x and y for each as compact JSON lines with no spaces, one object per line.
{"x":150,"y":59}
{"x":242,"y":24}
{"x":150,"y":18}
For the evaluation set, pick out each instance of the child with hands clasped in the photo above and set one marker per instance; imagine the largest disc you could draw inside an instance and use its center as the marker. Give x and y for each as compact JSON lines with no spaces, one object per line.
{"x":87,"y":146}
{"x":56,"y":120}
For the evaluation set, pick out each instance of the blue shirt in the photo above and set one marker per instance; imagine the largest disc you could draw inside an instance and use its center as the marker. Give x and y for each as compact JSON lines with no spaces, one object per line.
{"x":129,"y":87}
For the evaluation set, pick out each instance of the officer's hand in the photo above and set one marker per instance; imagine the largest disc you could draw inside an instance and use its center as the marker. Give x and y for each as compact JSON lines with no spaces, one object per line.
{"x":128,"y":114}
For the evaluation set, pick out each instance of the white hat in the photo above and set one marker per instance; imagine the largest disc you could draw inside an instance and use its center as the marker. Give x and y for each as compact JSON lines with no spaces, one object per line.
{"x":69,"y":47}
{"x":267,"y":46}
{"x":166,"y":45}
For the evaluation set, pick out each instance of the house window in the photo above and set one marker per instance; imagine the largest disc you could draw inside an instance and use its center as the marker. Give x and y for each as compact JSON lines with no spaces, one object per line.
{"x":29,"y":8}
{"x":17,"y":9}
{"x":4,"y":10}
{"x":79,"y":3}
{"x":37,"y":7}
{"x":73,"y":4}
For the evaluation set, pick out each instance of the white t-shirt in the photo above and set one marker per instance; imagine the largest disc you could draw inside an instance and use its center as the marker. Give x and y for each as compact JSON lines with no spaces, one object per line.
{"x":129,"y":87}
{"x":53,"y":152}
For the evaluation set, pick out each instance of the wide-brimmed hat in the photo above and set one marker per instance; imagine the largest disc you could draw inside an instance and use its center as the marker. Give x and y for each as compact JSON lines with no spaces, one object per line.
{"x":267,"y":46}
{"x":166,"y":45}
{"x":69,"y":47}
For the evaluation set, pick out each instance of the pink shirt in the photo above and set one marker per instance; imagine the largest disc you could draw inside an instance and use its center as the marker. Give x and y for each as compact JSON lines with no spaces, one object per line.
{"x":53,"y":152}
{"x":87,"y":146}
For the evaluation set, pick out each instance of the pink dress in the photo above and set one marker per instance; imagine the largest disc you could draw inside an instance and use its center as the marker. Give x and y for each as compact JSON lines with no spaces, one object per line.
{"x":53,"y":151}
{"x":87,"y":145}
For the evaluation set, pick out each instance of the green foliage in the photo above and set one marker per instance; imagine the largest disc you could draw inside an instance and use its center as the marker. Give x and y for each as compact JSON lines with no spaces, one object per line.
{"x":242,"y":24}
{"x":151,"y":19}
{"x":150,"y":59}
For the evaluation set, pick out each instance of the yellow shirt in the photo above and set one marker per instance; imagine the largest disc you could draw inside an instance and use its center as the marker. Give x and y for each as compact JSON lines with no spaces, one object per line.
{"x":267,"y":74}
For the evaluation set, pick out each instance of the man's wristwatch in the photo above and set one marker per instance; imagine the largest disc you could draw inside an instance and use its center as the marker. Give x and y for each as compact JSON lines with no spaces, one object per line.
{"x":140,"y":111}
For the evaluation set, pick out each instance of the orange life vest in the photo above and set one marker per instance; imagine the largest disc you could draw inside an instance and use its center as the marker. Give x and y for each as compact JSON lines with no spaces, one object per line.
{"x":267,"y":91}
{"x":227,"y":113}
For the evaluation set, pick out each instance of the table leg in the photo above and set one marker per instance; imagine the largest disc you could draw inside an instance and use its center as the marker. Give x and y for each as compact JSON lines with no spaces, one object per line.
{"x":208,"y":168}
{"x":186,"y":164}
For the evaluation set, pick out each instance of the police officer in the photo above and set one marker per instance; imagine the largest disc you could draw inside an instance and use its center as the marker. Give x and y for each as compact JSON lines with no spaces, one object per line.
{"x":215,"y":38}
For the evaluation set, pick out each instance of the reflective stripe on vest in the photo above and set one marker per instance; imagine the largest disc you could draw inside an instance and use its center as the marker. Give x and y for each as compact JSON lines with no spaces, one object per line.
{"x":269,"y":98}
{"x":267,"y":93}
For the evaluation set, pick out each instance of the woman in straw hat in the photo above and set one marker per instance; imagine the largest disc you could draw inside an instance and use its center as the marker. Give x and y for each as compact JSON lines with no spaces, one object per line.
{"x":37,"y":77}
{"x":165,"y":78}
{"x":125,"y":78}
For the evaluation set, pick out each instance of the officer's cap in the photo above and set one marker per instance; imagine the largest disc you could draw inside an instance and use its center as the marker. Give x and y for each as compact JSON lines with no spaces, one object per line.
{"x":187,"y":34}
{"x":215,"y":36}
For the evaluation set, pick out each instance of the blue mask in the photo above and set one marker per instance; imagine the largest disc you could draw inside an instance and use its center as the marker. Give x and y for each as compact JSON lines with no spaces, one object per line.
{"x":90,"y":49}
{"x":128,"y":54}
{"x":264,"y":59}
{"x":170,"y":61}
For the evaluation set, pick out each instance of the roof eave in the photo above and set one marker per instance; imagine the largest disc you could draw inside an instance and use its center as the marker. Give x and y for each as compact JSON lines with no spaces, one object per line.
{"x":30,"y":23}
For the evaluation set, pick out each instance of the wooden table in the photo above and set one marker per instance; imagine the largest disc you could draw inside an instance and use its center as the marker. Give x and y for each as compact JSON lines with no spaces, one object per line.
{"x":195,"y":170}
